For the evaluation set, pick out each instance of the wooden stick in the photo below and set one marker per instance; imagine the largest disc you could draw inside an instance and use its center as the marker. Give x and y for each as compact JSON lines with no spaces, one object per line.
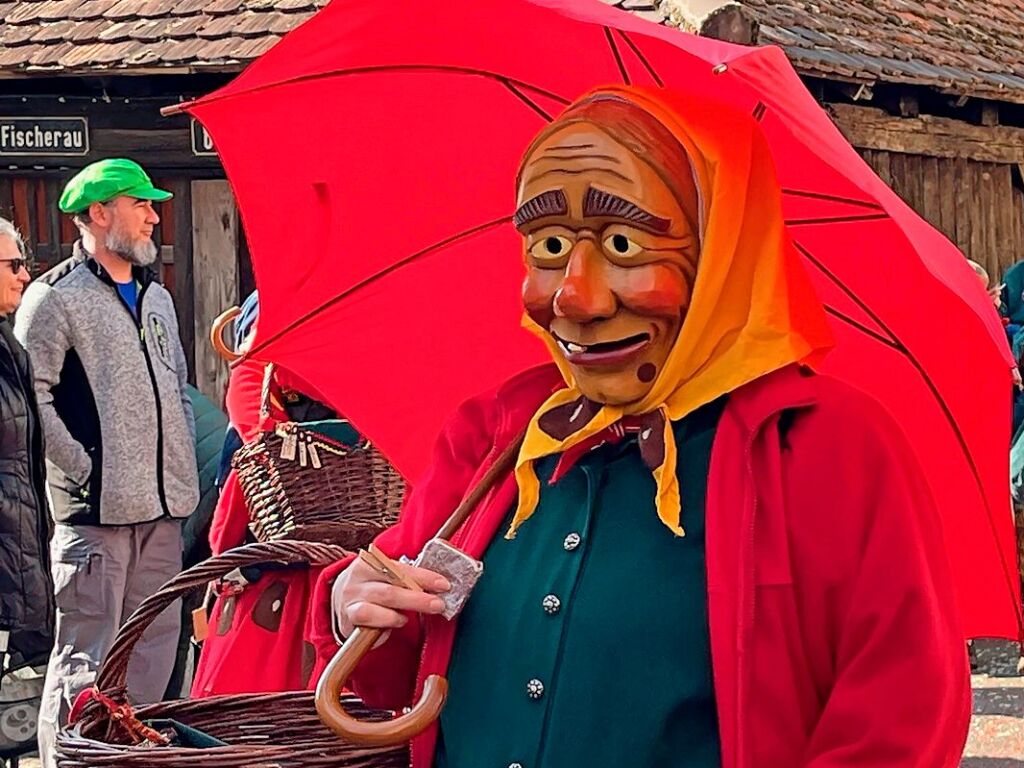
{"x":505,"y":462}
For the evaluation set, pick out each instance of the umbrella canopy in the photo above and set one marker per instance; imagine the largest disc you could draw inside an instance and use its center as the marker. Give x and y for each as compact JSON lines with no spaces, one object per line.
{"x":373,"y":154}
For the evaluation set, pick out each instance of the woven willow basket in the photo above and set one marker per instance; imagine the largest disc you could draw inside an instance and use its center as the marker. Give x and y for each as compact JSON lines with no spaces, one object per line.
{"x":300,"y":484}
{"x":272,"y":730}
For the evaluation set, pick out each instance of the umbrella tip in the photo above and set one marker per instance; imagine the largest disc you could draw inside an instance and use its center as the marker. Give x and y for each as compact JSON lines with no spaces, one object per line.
{"x":175,"y":109}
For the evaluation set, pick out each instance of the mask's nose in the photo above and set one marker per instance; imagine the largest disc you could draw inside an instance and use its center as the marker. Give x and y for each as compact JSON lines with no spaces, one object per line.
{"x":584,"y":294}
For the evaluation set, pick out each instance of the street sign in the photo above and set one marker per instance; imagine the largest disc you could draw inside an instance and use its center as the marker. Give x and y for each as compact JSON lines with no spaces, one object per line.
{"x":44,"y":136}
{"x":202,"y":143}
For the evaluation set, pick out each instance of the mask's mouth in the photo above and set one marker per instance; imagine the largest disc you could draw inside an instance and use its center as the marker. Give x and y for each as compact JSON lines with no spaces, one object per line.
{"x":604,"y":352}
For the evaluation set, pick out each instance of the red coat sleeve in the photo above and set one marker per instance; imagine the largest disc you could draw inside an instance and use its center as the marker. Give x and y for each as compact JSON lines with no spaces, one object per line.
{"x":386,"y":677}
{"x":230,"y":517}
{"x":877,"y":595}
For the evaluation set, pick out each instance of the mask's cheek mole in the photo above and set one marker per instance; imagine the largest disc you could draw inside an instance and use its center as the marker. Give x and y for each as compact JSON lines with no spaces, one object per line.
{"x":647,"y":372}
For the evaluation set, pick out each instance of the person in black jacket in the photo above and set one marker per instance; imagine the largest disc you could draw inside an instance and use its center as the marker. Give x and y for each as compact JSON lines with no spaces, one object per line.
{"x":26,"y":590}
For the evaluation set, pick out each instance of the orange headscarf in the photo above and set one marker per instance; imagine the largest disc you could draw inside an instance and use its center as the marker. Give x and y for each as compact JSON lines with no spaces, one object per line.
{"x":753,"y":309}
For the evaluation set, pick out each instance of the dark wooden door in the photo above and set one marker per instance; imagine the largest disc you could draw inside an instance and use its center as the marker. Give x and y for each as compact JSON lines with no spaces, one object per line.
{"x":977,"y":205}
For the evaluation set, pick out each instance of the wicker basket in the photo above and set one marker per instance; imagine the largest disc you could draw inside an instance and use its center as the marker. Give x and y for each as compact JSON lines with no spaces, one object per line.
{"x":272,"y":730}
{"x":301,"y":484}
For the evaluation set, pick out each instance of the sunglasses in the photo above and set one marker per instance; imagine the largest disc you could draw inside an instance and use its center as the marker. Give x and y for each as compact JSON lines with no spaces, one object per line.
{"x":16,"y":264}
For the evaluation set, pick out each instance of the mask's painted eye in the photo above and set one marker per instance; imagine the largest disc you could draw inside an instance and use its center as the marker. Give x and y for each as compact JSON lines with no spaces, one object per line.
{"x":620,"y":245}
{"x":553,"y":247}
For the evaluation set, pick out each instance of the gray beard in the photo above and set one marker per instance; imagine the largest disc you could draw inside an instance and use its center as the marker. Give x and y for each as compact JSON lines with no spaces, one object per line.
{"x":141,"y":254}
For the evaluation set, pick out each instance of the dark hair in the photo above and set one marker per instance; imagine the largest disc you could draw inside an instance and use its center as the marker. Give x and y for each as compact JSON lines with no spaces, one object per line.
{"x":643,"y":134}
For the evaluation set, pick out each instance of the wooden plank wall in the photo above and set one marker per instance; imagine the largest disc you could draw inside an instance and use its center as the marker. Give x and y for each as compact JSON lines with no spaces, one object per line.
{"x":975,"y":204}
{"x":215,"y":233}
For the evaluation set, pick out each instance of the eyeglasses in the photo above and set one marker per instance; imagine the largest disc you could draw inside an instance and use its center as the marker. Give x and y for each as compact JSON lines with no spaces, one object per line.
{"x":16,"y":264}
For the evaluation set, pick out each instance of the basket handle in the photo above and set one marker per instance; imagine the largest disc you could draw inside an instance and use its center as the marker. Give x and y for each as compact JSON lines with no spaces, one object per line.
{"x":112,"y":674}
{"x":217,"y":334}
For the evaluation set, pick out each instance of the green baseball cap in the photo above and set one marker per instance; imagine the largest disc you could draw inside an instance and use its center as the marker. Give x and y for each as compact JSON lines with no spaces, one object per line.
{"x":106,"y":179}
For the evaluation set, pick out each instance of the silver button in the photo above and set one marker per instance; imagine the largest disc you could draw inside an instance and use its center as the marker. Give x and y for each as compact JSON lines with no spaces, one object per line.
{"x":571,"y":542}
{"x":515,"y":765}
{"x":535,"y":689}
{"x":551,"y":605}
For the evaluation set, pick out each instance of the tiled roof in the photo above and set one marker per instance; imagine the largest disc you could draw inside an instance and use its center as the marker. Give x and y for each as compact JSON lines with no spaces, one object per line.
{"x":60,"y":36}
{"x":970,"y":47}
{"x":973,"y":47}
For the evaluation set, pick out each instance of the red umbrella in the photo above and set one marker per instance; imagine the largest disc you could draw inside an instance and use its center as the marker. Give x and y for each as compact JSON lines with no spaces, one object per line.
{"x":373,"y":153}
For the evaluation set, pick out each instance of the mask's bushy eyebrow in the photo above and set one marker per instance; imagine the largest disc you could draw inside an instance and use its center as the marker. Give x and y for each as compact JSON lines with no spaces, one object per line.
{"x":598,"y":203}
{"x":550,"y":203}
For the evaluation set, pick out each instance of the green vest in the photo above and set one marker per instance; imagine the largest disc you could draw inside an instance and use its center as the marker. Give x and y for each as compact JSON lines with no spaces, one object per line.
{"x":585,"y":642}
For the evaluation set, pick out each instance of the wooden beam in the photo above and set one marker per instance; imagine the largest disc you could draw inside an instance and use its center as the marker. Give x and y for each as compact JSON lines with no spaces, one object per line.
{"x":52,"y":189}
{"x":6,"y":198}
{"x":215,"y":260}
{"x":184,"y":293}
{"x":989,"y":114}
{"x":870,"y":128}
{"x":908,"y":105}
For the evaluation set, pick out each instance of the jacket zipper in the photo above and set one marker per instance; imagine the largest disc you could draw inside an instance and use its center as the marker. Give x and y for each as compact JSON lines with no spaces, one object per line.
{"x":156,"y":393}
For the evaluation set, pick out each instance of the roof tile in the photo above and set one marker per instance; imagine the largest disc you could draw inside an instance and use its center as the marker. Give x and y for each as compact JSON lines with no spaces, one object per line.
{"x":298,"y":5}
{"x":15,"y":58}
{"x":92,"y":9}
{"x":124,"y":9}
{"x":49,"y":55}
{"x":53,"y":33}
{"x":88,"y":31}
{"x":218,"y":26}
{"x":116,"y":32}
{"x":218,"y":7}
{"x":176,"y":51}
{"x":23,"y":12}
{"x":150,"y":30}
{"x":188,"y":7}
{"x":18,"y":34}
{"x":186,"y":27}
{"x":153,"y":9}
{"x":54,"y":10}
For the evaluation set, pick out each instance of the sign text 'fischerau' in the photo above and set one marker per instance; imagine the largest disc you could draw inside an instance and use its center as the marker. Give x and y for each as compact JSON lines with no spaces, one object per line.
{"x":44,"y":136}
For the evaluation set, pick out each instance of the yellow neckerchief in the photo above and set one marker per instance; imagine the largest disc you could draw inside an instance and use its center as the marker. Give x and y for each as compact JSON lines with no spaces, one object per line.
{"x":753,"y":309}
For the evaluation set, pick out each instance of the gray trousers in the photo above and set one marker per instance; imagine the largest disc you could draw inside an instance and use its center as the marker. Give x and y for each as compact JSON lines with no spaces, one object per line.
{"x":102,"y":574}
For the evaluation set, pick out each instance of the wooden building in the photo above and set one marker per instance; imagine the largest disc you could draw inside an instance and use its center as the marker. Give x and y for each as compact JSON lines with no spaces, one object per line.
{"x":82,"y":80}
{"x":931,"y":92}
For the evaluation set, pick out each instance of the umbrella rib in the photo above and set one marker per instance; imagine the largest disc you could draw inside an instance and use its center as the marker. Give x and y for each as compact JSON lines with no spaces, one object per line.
{"x":617,"y":55}
{"x":368,"y":281}
{"x":832,"y":198}
{"x":643,"y":59}
{"x":215,"y":97}
{"x":965,"y":449}
{"x":526,"y":100}
{"x":864,"y":329}
{"x":837,"y":220}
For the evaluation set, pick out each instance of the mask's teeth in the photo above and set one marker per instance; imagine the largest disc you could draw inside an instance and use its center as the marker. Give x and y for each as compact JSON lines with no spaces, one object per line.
{"x":575,"y":348}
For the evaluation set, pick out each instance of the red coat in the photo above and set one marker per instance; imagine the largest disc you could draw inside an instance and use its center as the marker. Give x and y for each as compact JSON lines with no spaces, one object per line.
{"x":834,"y":633}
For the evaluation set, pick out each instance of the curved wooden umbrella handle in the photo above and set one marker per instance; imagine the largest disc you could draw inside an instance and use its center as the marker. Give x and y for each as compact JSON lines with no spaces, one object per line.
{"x":387,"y":733}
{"x":362,"y":640}
{"x":217,"y":334}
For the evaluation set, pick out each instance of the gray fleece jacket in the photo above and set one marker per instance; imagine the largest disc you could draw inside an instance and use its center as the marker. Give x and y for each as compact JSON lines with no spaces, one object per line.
{"x":119,"y":428}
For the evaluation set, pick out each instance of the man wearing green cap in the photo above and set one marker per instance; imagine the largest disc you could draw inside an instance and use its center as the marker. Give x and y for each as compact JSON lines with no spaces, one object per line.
{"x":110,"y":378}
